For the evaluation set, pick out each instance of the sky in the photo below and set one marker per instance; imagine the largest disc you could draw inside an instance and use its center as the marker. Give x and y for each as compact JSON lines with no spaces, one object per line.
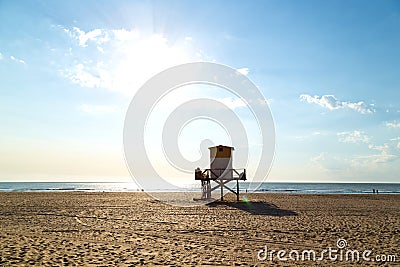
{"x":329,"y":71}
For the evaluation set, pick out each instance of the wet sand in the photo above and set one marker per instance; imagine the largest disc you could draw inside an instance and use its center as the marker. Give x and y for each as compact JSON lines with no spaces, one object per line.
{"x":127,"y":229}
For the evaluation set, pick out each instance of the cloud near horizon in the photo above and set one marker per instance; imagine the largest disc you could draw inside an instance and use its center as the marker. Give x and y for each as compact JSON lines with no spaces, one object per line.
{"x":332,"y":103}
{"x":378,"y":154}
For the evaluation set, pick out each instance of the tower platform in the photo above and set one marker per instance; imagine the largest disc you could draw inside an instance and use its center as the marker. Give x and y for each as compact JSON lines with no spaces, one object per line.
{"x":221,"y":177}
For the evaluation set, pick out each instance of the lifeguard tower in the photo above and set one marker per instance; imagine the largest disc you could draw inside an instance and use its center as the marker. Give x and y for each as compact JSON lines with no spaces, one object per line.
{"x":221,"y":172}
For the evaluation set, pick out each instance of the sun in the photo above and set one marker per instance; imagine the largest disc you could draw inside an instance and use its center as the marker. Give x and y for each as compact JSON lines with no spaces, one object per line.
{"x":137,"y":60}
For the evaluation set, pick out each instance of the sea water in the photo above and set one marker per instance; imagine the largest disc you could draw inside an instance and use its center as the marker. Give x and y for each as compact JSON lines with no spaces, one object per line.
{"x":267,"y":187}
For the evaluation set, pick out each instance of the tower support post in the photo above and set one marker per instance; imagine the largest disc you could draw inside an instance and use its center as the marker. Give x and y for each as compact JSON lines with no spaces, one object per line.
{"x":237,"y":190}
{"x":222,"y":190}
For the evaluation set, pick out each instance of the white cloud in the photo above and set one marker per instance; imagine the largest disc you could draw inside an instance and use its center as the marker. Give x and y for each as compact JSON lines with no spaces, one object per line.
{"x":17,"y":60}
{"x":353,"y":137}
{"x":332,"y":103}
{"x":83,"y":76}
{"x":100,"y":49}
{"x":392,"y":125}
{"x":1,"y":56}
{"x":397,"y":139}
{"x":96,"y":35}
{"x":319,"y":158}
{"x":243,"y":71}
{"x":97,"y":109}
{"x":126,"y":59}
{"x":380,"y":154}
{"x":125,"y":35}
{"x":384,"y":155}
{"x":329,"y":162}
{"x":355,"y":162}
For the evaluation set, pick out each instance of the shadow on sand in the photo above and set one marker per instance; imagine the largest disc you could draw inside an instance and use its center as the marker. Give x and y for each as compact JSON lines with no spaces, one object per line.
{"x":255,"y":208}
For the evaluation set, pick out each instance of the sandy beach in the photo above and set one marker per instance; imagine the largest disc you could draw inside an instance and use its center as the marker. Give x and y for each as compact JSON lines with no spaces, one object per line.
{"x":123,"y":229}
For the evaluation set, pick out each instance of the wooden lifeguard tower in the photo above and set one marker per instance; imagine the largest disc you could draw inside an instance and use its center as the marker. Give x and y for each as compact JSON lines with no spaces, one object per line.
{"x":221,"y":172}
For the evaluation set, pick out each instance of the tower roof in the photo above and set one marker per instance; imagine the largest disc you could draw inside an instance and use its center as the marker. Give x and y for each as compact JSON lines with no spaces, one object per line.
{"x":231,"y":147}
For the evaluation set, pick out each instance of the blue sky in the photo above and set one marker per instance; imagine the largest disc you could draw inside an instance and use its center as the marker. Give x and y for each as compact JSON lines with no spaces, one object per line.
{"x":329,"y":69}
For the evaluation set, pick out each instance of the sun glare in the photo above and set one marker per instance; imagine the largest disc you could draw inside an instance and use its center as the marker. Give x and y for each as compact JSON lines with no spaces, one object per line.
{"x":143,"y":57}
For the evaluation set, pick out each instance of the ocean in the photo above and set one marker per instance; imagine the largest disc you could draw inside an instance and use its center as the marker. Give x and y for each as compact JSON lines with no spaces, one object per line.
{"x":267,"y":187}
